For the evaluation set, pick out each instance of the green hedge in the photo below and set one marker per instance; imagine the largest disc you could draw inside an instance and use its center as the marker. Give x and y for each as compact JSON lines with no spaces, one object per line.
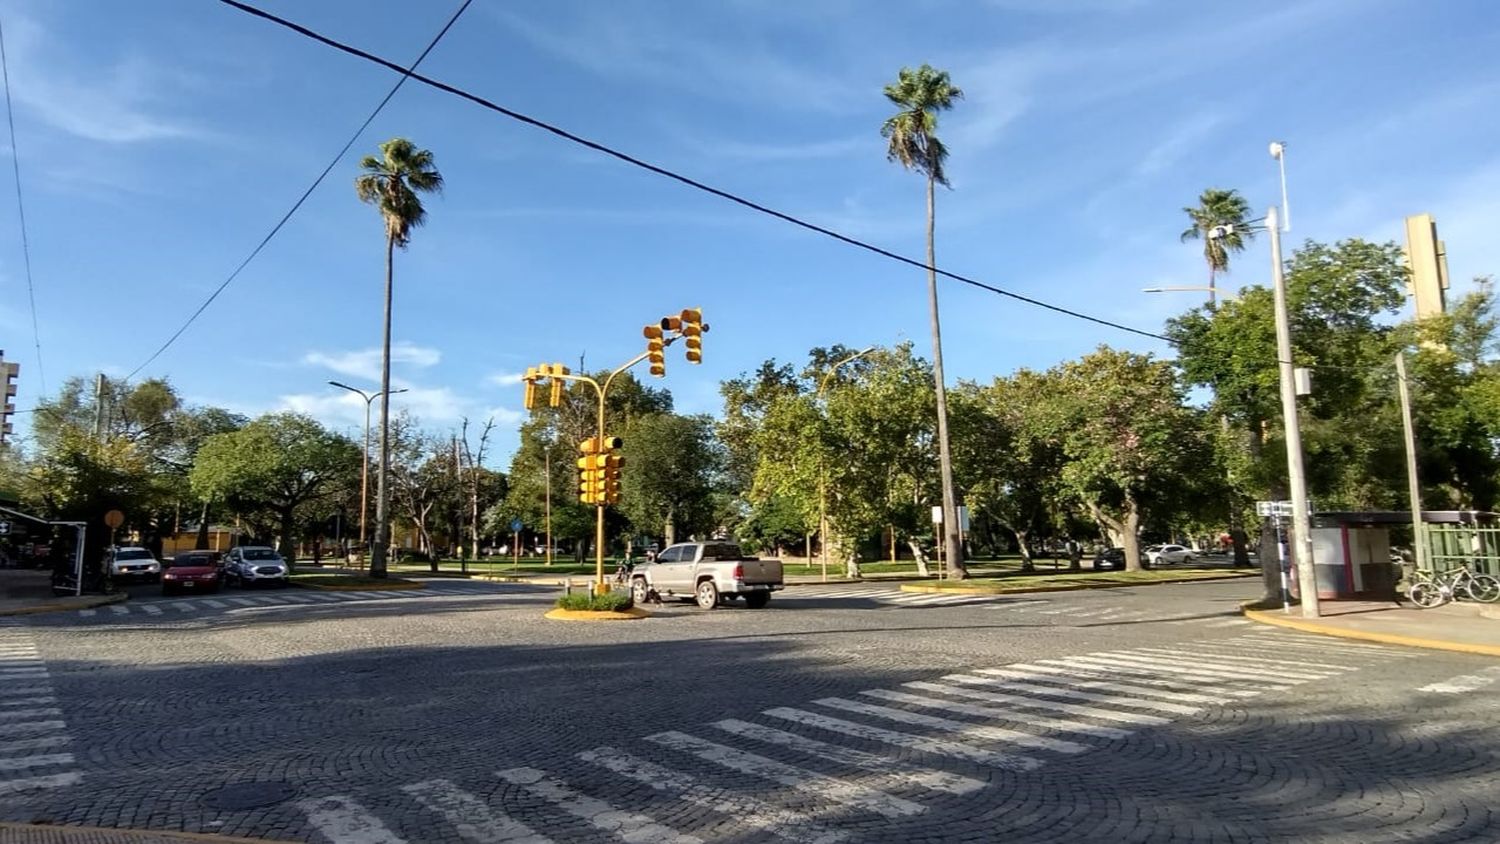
{"x":584,"y":601}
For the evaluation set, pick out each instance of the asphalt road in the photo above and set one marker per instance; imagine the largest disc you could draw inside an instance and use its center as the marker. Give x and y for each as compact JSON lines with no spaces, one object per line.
{"x":839,"y":713}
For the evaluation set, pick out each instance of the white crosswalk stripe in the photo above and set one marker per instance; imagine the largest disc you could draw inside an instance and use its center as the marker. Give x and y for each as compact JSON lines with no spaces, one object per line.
{"x":630,"y":826}
{"x":937,"y":747}
{"x":967,"y":730}
{"x":1464,"y":682}
{"x":240,"y":602}
{"x":1080,"y":710}
{"x":992,"y":712}
{"x":1139,"y":688}
{"x":471,"y":817}
{"x":32,"y":728}
{"x":1020,"y":716}
{"x":1150,"y":676}
{"x":783,"y":823}
{"x":1012,"y":682}
{"x":850,"y":793}
{"x":343,"y":821}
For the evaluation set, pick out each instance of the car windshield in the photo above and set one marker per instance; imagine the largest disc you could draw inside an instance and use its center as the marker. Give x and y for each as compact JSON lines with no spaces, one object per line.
{"x":193,"y":560}
{"x":259,"y":554}
{"x":132,"y":554}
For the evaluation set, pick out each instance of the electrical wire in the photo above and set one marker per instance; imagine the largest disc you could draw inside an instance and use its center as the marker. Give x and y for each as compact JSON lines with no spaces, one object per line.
{"x":15,"y":160}
{"x":678,"y":177}
{"x":406,"y":73}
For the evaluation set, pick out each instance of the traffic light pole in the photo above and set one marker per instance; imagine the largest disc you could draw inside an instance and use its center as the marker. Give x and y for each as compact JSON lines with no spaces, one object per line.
{"x":602,"y":391}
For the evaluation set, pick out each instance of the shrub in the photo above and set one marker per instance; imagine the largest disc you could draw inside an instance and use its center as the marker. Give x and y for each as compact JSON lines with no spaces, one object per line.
{"x":587,"y":601}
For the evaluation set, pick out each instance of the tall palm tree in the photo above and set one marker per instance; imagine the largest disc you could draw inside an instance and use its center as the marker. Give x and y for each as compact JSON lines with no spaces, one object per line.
{"x":1218,"y":208}
{"x":912,"y":132}
{"x":391,"y":182}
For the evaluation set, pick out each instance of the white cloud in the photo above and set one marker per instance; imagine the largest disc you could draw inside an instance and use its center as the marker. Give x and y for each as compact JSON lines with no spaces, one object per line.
{"x":111,"y":104}
{"x":365,"y":363}
{"x":504,"y":379}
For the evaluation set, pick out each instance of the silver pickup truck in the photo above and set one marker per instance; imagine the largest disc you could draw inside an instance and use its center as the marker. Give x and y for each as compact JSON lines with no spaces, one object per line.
{"x":709,"y":573}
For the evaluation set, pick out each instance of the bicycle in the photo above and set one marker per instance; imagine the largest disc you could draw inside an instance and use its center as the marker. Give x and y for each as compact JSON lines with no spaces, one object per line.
{"x":1429,"y":589}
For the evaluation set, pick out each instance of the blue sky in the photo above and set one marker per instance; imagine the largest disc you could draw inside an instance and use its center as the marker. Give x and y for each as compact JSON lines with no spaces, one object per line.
{"x":160,"y":139}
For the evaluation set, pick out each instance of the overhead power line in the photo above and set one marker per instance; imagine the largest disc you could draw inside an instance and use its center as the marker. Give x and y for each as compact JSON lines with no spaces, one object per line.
{"x":15,"y":160}
{"x":678,"y":177}
{"x":406,"y":73}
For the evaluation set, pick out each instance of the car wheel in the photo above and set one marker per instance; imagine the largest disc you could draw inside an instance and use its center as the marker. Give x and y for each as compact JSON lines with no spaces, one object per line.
{"x":707,"y":595}
{"x":639,"y":592}
{"x":757,"y":600}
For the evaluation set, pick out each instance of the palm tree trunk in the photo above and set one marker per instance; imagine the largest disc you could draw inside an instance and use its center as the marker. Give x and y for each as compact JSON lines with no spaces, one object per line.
{"x":382,"y":501}
{"x":952,"y":545}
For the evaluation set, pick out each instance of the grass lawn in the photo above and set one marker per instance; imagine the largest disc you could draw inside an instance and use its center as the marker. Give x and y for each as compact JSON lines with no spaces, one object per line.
{"x":332,"y":580}
{"x":503,"y":566}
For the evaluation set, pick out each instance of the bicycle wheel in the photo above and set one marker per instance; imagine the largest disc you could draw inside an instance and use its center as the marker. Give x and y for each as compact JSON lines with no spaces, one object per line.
{"x":1425,"y":595}
{"x":1484,"y":588}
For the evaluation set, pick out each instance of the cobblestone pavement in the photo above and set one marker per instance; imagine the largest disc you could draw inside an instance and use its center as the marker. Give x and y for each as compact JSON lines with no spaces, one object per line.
{"x":1120,"y":715}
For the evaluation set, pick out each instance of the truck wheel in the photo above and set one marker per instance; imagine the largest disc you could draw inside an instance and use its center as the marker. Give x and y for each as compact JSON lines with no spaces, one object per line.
{"x":638,"y":590}
{"x":757,"y":600}
{"x":708,"y":595}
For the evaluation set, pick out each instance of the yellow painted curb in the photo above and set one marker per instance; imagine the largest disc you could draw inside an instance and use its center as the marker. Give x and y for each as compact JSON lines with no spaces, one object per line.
{"x":368,"y":587}
{"x":1368,"y":636}
{"x":94,"y":833}
{"x":1061,"y":587}
{"x":631,"y":614}
{"x":77,"y":603}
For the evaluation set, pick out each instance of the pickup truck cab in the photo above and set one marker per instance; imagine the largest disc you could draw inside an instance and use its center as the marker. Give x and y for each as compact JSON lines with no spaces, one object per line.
{"x":709,"y":573}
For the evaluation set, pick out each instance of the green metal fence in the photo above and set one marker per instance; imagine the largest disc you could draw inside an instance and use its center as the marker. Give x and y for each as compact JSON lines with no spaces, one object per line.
{"x":1450,"y":546}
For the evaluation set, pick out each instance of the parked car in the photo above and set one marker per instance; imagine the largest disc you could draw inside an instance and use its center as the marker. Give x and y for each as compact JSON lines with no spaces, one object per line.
{"x":193,"y":571}
{"x":253,"y":565}
{"x":709,"y":573}
{"x":1114,"y":558}
{"x":129,"y":563}
{"x":1170,"y":554}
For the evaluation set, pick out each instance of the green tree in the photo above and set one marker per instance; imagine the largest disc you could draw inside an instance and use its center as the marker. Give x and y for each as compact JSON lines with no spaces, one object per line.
{"x":276,"y":466}
{"x":1217,"y":207}
{"x":913,"y":142}
{"x":391,"y":182}
{"x":667,"y":482}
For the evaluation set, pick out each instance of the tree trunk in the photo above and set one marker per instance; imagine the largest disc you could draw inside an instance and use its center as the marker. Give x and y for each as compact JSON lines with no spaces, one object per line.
{"x":201,"y":543}
{"x":669,"y":530}
{"x":1132,"y":534}
{"x":919,"y":555}
{"x":851,"y":566}
{"x":1075,"y":556}
{"x":1270,"y":565}
{"x":382,"y":500}
{"x":1023,"y":544}
{"x":951,"y":543}
{"x":288,"y":546}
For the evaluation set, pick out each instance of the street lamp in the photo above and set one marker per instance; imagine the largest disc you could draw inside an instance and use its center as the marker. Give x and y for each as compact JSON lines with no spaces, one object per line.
{"x":364,"y":473}
{"x":822,"y":470}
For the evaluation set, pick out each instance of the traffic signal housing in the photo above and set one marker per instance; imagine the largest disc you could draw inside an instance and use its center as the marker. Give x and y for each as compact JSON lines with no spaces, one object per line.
{"x":692,"y":329}
{"x":610,"y":463}
{"x":656,"y":349}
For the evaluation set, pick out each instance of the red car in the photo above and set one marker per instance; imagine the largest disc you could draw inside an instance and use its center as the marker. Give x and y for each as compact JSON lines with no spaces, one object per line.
{"x":192,"y":571}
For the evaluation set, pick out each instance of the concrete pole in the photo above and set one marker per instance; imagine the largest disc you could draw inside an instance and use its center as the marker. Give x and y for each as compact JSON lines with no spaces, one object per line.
{"x":1307,"y":579}
{"x":1413,"y":488}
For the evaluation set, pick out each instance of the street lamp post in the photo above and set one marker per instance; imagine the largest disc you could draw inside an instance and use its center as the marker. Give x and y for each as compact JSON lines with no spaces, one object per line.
{"x":822,"y":469}
{"x":364,"y":472}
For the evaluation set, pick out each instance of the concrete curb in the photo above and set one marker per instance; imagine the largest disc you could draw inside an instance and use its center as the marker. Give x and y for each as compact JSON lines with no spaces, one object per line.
{"x":1063,"y":587}
{"x":366,"y":587}
{"x":1366,"y":635}
{"x":631,"y":614}
{"x":73,"y":604}
{"x":25,"y":833}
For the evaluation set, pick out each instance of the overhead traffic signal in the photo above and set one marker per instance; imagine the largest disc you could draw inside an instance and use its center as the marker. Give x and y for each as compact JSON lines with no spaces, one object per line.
{"x":549,"y":373}
{"x":656,"y":349}
{"x":692,"y":332}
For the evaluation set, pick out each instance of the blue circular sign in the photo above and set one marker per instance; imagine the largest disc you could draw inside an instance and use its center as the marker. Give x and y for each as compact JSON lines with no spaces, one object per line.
{"x":516,"y":526}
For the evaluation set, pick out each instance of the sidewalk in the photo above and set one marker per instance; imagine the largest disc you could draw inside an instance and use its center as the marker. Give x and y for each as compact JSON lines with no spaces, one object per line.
{"x":28,"y":591}
{"x":17,"y":833}
{"x":1464,"y":627}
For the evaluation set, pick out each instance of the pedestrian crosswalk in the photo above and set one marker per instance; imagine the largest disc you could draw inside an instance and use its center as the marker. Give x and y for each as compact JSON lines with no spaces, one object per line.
{"x":34,"y":738}
{"x":232,"y":602}
{"x":823,"y":771}
{"x":1054,"y":609}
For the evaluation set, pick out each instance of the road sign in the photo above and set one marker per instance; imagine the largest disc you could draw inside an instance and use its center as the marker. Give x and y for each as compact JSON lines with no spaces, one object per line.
{"x":516,"y":526}
{"x":4,"y":528}
{"x":114,"y":518}
{"x":937,"y":515}
{"x":1278,"y":509}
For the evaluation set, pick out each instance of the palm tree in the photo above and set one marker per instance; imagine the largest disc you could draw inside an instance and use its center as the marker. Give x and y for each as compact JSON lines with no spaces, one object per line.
{"x":1218,"y":208}
{"x":912,"y":131}
{"x":390,"y":182}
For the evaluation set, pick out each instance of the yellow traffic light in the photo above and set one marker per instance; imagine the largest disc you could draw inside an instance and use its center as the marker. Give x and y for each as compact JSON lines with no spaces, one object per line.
{"x":670,"y":323}
{"x":692,"y":333}
{"x":557,"y":388}
{"x":655,"y":349}
{"x":612,"y":465}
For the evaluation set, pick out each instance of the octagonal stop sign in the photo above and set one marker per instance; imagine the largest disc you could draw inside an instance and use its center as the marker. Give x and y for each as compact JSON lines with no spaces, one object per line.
{"x":114,"y":518}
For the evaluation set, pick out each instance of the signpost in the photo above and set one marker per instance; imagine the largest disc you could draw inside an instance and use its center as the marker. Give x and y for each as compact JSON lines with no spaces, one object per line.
{"x":114,"y":518}
{"x":515,"y":529}
{"x":1278,"y":511}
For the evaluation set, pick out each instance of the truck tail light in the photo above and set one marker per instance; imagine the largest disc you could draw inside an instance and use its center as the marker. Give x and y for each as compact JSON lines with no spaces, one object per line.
{"x":739,"y":572}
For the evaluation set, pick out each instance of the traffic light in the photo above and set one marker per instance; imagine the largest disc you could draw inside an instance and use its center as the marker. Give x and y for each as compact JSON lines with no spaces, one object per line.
{"x":610,"y":461}
{"x":586,"y":467}
{"x":10,"y":371}
{"x":692,"y":332}
{"x":529,"y":379}
{"x":656,"y":349}
{"x":554,"y":372}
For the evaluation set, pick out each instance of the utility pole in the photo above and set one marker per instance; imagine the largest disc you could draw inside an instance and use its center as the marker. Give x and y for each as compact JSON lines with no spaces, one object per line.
{"x":1307,"y":578}
{"x":1413,"y":488}
{"x":99,"y":407}
{"x":547,"y":469}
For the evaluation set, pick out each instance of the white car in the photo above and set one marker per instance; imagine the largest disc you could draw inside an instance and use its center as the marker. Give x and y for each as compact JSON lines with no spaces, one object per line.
{"x":1170,"y":554}
{"x":252,"y":565}
{"x":130,"y":562}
